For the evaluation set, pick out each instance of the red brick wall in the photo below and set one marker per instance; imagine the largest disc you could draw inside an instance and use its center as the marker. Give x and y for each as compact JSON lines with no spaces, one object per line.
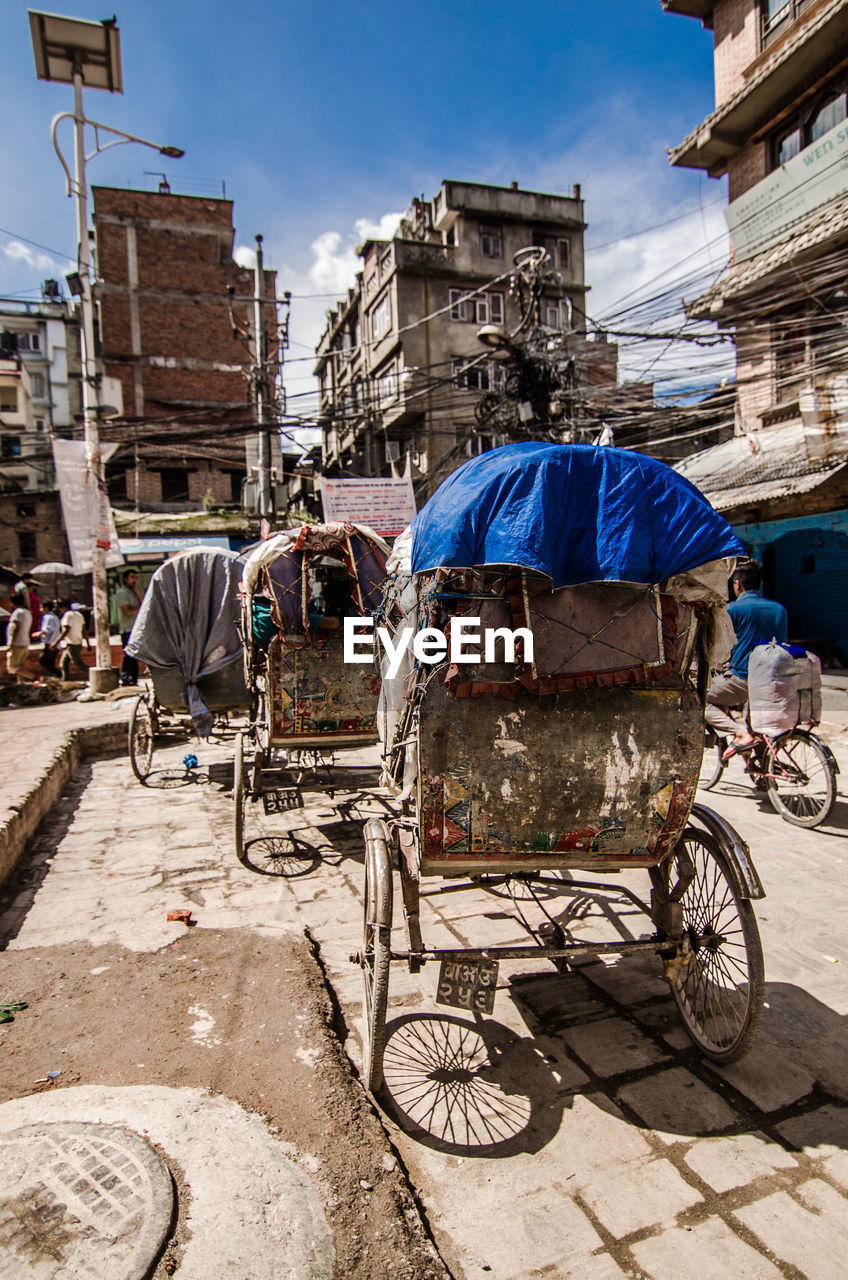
{"x":747,"y":169}
{"x":737,"y":34}
{"x":184,"y":268}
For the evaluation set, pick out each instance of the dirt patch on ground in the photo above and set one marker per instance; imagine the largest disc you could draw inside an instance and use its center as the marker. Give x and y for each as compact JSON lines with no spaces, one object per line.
{"x":238,"y":1014}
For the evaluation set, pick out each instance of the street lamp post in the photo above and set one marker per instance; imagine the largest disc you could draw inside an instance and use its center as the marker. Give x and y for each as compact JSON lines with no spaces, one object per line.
{"x":75,"y":51}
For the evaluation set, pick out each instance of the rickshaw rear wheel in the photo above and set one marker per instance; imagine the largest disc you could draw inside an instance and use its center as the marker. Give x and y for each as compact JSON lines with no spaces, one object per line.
{"x":141,"y":734}
{"x":238,"y":796}
{"x":376,"y":949}
{"x":720,"y":988}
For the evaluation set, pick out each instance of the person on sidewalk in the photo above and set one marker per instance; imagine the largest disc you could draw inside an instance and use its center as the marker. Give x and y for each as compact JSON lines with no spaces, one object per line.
{"x":18,"y":630}
{"x":756,"y":620}
{"x":128,"y":602}
{"x":49,"y":635}
{"x":71,"y":637}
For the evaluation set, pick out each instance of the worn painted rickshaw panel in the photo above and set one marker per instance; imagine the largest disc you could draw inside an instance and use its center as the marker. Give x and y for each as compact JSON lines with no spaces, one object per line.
{"x":314,"y":694}
{"x":593,"y":778}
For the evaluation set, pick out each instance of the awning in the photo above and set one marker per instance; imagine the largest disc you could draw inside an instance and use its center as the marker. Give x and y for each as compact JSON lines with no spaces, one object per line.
{"x":777,"y":462}
{"x":159,"y":548}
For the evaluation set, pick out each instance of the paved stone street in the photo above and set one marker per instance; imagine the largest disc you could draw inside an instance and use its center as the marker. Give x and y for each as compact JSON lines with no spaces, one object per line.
{"x":577,"y":1132}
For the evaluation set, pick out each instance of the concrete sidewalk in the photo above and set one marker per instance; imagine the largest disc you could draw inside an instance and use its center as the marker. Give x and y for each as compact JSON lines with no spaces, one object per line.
{"x":40,"y":747}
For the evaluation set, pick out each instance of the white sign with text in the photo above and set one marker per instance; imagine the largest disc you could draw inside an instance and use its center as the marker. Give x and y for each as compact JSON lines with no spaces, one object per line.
{"x":386,"y":506}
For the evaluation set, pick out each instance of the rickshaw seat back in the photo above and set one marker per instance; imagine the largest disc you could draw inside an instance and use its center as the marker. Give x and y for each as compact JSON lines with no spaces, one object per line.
{"x":318,"y":700}
{"x":594,"y":778}
{"x":222,"y":690}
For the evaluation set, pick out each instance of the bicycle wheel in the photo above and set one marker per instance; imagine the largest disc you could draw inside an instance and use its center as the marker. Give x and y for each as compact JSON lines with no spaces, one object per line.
{"x":376,"y":950}
{"x":720,"y":991}
{"x":712,"y":766}
{"x":238,"y":797}
{"x":140,"y":735}
{"x":801,"y":783}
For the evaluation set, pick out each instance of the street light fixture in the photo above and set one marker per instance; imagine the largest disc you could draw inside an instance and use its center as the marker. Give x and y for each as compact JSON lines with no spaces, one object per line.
{"x":78,"y":52}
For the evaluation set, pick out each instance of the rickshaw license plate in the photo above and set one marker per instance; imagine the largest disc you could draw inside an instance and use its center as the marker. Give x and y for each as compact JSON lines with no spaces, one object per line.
{"x":468,"y":984}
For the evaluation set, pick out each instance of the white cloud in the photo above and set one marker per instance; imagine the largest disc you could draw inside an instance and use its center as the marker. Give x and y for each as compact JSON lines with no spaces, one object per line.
{"x":245,"y":256}
{"x":19,"y":252}
{"x":335,"y":259}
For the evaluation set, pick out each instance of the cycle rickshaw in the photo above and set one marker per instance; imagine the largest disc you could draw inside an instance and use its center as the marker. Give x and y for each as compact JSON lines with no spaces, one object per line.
{"x":307,"y":704}
{"x":186,"y":633}
{"x":585,"y":756}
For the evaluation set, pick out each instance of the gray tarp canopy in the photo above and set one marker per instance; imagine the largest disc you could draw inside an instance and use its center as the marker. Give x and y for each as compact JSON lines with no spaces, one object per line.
{"x":188,"y":618}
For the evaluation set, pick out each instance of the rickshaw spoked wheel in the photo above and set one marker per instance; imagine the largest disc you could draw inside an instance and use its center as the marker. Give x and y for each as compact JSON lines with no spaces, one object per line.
{"x":720,"y":986}
{"x":376,"y":947}
{"x":238,"y":796}
{"x":141,"y":735}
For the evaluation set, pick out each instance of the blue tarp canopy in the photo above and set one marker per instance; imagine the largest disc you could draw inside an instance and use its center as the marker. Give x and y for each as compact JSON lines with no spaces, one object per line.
{"x":576,"y":512}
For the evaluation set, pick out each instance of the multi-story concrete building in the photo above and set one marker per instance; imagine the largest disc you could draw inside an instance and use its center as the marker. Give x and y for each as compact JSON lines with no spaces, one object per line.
{"x":39,"y":387}
{"x":400,"y":365}
{"x":39,"y":399}
{"x":779,"y":132}
{"x":176,"y":317}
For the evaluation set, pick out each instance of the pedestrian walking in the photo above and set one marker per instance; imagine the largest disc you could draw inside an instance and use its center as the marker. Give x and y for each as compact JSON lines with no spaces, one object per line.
{"x":71,"y":637}
{"x":128,"y":602}
{"x":49,"y":636}
{"x":18,"y":631}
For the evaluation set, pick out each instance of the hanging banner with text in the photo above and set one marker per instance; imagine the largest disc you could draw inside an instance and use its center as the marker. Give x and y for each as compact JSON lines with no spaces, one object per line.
{"x":807,"y":182}
{"x":386,"y":506}
{"x":85,"y":506}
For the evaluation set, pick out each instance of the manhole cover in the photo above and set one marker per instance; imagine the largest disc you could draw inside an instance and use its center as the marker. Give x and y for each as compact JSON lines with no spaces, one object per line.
{"x":81,"y":1202}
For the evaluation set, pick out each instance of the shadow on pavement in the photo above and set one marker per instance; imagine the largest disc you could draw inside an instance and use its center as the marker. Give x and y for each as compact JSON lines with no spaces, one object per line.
{"x":468,"y":1089}
{"x":280,"y":855}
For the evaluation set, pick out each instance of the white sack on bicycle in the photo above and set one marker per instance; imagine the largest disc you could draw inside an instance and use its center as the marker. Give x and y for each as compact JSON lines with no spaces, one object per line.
{"x":783,"y":691}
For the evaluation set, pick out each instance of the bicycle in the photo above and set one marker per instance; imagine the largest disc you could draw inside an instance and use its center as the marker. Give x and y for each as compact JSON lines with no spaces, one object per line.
{"x":796,"y":770}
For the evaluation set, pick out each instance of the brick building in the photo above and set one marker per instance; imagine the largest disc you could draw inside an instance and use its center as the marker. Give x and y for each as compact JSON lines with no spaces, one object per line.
{"x":779,"y":132}
{"x":165,"y":267}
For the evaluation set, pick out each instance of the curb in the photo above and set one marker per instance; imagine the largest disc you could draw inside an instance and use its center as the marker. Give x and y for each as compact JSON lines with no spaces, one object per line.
{"x":21,"y":821}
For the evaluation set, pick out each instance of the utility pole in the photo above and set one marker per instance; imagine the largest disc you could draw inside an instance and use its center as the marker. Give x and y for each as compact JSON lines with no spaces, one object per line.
{"x":266,"y":503}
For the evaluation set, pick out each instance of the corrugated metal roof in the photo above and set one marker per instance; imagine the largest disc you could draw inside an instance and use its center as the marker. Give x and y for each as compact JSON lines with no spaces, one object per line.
{"x":773,"y":463}
{"x":753,"y":494}
{"x":824,"y":228}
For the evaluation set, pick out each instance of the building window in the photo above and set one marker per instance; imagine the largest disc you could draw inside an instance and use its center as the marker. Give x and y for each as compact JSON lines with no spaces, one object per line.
{"x":237,"y":479}
{"x":556,"y":313}
{"x":26,"y":511}
{"x":381,"y":318}
{"x":387,"y":386}
{"x":557,"y":249}
{"x":174,"y":484}
{"x":491,"y":242}
{"x":484,"y":308}
{"x":116,"y":483}
{"x":476,"y":375}
{"x":805,"y":128}
{"x":29,"y":342}
{"x":10,"y":446}
{"x":38,"y":385}
{"x":9,"y":399}
{"x":480,"y":444}
{"x":777,"y":14}
{"x":26,"y":544}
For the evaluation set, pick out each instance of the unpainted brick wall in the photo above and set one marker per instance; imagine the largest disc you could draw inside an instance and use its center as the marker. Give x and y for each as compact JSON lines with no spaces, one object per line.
{"x":736,"y":43}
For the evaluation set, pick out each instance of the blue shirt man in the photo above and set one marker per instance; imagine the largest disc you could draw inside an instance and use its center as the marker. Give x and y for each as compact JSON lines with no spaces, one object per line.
{"x":756,"y":620}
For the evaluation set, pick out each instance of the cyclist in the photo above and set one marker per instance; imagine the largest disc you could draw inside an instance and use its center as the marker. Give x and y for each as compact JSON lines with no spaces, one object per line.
{"x":756,"y":620}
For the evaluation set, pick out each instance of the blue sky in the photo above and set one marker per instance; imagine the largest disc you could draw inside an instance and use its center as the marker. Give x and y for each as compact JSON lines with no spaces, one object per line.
{"x":324,"y":119}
